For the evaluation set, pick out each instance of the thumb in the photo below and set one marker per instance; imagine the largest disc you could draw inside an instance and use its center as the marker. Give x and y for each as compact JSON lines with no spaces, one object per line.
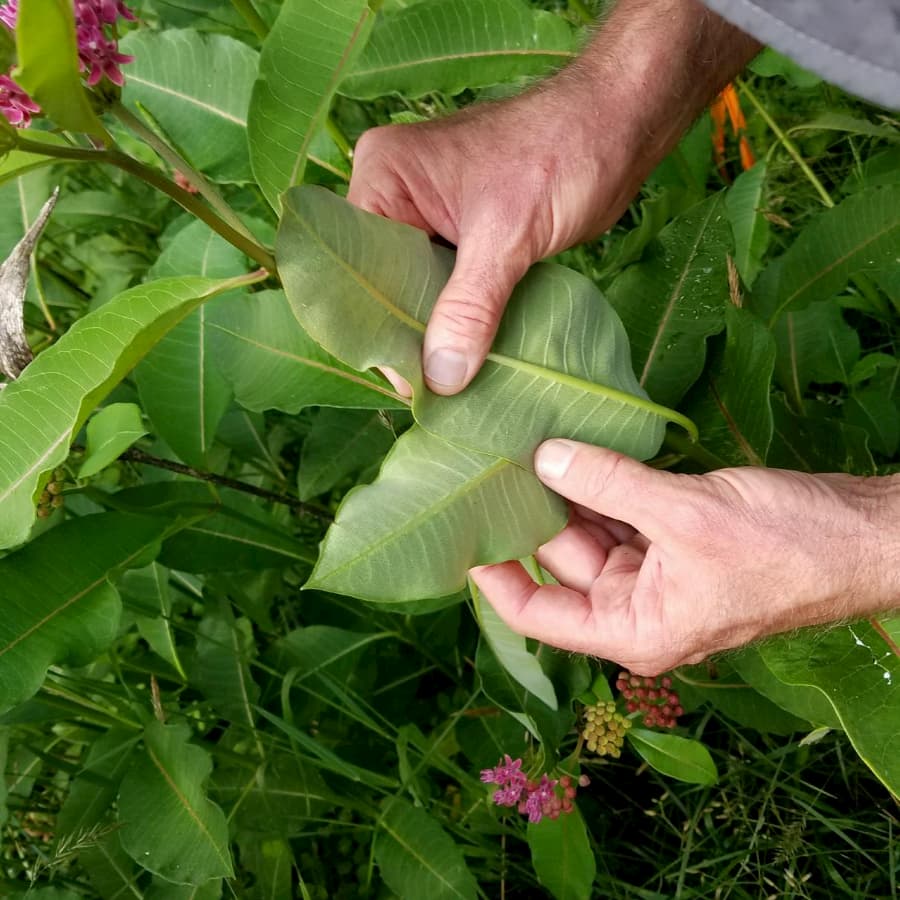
{"x":467,"y":313}
{"x":611,"y":484}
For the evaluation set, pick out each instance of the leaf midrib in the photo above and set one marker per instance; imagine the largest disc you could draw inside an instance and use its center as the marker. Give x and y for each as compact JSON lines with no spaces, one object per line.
{"x":410,"y":525}
{"x":185,"y":803}
{"x":449,"y":57}
{"x":543,"y":372}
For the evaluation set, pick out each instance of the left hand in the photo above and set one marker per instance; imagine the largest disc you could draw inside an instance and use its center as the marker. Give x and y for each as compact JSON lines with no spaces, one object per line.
{"x":658,"y":569}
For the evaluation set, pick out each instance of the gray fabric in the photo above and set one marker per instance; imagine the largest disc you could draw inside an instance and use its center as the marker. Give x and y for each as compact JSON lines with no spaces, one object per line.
{"x":853,"y":43}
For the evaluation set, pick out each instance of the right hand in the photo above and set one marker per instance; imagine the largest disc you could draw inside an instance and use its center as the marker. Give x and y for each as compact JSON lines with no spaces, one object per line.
{"x":508,"y":183}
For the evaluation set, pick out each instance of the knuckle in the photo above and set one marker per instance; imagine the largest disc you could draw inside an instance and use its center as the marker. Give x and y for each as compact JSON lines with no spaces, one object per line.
{"x":468,"y":318}
{"x":597,"y":479}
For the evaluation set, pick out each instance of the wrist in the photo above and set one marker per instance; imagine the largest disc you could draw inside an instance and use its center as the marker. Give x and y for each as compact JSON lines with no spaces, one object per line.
{"x":878,"y":510}
{"x":650,"y":71}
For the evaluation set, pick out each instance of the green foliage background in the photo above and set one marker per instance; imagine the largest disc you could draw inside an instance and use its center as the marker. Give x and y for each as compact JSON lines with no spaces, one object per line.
{"x":177,"y":718}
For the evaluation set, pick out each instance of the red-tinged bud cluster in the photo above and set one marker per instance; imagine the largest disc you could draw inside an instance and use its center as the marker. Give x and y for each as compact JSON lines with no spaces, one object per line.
{"x":52,"y":496}
{"x":653,"y":697}
{"x":604,"y":729}
{"x":535,"y":799}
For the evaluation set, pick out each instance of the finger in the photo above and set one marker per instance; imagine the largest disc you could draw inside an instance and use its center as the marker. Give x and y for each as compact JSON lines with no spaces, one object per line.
{"x":553,"y":614}
{"x":465,"y":318}
{"x":575,"y":557}
{"x":594,"y":523}
{"x":612,"y":484}
{"x":398,"y":382}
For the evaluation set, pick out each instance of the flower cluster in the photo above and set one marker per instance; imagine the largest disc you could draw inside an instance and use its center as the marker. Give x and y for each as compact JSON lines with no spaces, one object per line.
{"x":653,"y":697}
{"x":15,"y":105}
{"x":535,"y":799}
{"x":98,"y":53}
{"x":604,"y":729}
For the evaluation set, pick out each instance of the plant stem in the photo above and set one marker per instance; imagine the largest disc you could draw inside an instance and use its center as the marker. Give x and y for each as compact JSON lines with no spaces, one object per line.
{"x":250,"y":15}
{"x":179,"y":163}
{"x":135,"y":455}
{"x":338,"y":136}
{"x":183,"y":198}
{"x":789,"y":145}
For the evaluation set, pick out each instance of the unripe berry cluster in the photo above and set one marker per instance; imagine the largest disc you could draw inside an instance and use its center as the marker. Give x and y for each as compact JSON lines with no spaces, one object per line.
{"x":653,"y":697}
{"x":52,"y":497}
{"x":604,"y":729}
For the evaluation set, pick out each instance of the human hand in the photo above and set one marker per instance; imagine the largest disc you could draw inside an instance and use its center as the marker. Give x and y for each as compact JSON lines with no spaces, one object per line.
{"x":657,"y":569}
{"x":508,"y":183}
{"x":517,"y":180}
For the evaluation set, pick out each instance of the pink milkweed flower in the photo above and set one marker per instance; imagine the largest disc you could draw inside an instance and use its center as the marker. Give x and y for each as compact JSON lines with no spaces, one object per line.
{"x":9,"y":12}
{"x":100,"y":56}
{"x":15,"y":105}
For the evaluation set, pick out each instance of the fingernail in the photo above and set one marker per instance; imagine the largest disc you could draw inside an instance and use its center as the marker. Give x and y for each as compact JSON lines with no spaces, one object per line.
{"x":553,"y":457}
{"x":446,"y":367}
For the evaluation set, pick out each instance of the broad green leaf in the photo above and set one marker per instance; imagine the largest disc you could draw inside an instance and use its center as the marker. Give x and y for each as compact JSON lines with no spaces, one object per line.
{"x":237,"y":533}
{"x":675,"y":756}
{"x":811,"y":443}
{"x":860,"y":233}
{"x":439,"y":504}
{"x":674,"y":299}
{"x":54,"y":613}
{"x":180,"y":381}
{"x":836,"y":121}
{"x":771,"y":63}
{"x":562,"y":857}
{"x":169,"y":825}
{"x":857,"y":668}
{"x":814,"y":344}
{"x":486,"y":734}
{"x":731,"y":403}
{"x":221,"y":672}
{"x":874,"y":409}
{"x":197,"y":88}
{"x":111,"y":871}
{"x":305,"y":56}
{"x":4,"y":752}
{"x":804,"y":702}
{"x":110,"y":432}
{"x":511,"y":652}
{"x":105,"y":344}
{"x":47,"y":405}
{"x":417,"y":858}
{"x":752,"y":232}
{"x":349,"y":275}
{"x":280,"y":798}
{"x":451,"y":45}
{"x":728,"y":693}
{"x":870,"y":365}
{"x":545,"y":724}
{"x":161,"y":889}
{"x":271,"y":861}
{"x":48,"y":65}
{"x":339,"y":443}
{"x":272,"y":363}
{"x":656,"y":212}
{"x":18,"y":162}
{"x":146,"y":594}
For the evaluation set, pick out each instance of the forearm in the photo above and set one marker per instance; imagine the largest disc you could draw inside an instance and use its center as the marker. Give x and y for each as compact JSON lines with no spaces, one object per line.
{"x":649,"y":71}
